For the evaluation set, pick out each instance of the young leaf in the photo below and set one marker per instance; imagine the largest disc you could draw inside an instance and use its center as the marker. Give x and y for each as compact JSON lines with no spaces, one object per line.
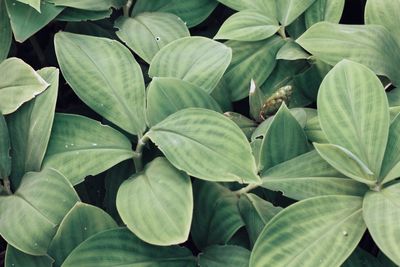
{"x":197,"y":60}
{"x":248,"y":25}
{"x":324,"y":10}
{"x":34,"y":203}
{"x":5,"y":159}
{"x":206,"y":145}
{"x":221,"y":256}
{"x":289,"y":10}
{"x":354,"y":113}
{"x":18,"y":84}
{"x":328,"y":223}
{"x":148,"y":32}
{"x":113,"y":86}
{"x":119,"y":247}
{"x":15,"y":258}
{"x":5,"y":32}
{"x":80,"y":223}
{"x":166,"y":96}
{"x":94,"y":5}
{"x":291,"y":51}
{"x":75,"y":139}
{"x":256,"y":100}
{"x":157,"y":204}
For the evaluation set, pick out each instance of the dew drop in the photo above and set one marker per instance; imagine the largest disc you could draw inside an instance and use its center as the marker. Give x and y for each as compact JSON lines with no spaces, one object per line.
{"x":13,"y":4}
{"x":345,"y":233}
{"x":72,"y":145}
{"x":66,"y":146}
{"x":185,"y":22}
{"x":36,"y":244}
{"x":94,"y":144}
{"x":12,"y":264}
{"x":85,"y":228}
{"x":102,"y":104}
{"x":158,"y":38}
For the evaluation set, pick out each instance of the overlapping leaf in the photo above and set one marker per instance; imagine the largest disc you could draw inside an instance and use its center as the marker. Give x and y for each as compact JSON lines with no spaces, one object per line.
{"x":15,"y":258}
{"x":5,"y":31}
{"x":5,"y":159}
{"x":289,"y":10}
{"x":324,"y":10}
{"x":221,"y":256}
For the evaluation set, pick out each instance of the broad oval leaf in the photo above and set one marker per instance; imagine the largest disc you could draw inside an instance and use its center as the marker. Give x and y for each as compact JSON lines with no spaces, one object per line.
{"x":5,"y":159}
{"x":324,"y":10}
{"x":289,"y":10}
{"x":75,"y":139}
{"x":16,"y":258}
{"x":34,"y":204}
{"x":206,"y":145}
{"x":113,"y":86}
{"x":353,"y":112}
{"x":248,"y":25}
{"x":157,"y":204}
{"x":148,"y":32}
{"x":371,"y":45}
{"x":222,"y":256}
{"x":119,"y":247}
{"x":197,"y":60}
{"x":327,"y":223}
{"x":18,"y":84}
{"x":5,"y":32}
{"x":166,"y":96}
{"x":381,"y":211}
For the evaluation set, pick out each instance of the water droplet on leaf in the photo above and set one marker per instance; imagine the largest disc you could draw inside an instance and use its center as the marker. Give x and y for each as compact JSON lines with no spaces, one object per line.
{"x":158,"y":38}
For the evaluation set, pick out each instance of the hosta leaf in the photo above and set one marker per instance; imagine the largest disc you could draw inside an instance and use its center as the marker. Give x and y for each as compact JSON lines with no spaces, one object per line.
{"x":157,"y":204}
{"x":81,"y":222}
{"x":75,"y":139}
{"x":354,"y":113}
{"x":266,"y":7}
{"x":284,"y":140}
{"x":26,"y":21}
{"x":33,"y":3}
{"x":192,"y":12}
{"x":18,"y":84}
{"x":30,"y":128}
{"x":148,"y":32}
{"x":221,"y":256}
{"x":381,"y":211}
{"x":119,"y":247}
{"x":206,"y":145}
{"x":16,"y":258}
{"x":245,"y":124}
{"x":197,"y":60}
{"x":166,"y":96}
{"x":74,"y":14}
{"x":94,"y":5}
{"x":256,"y":213}
{"x":5,"y":159}
{"x":5,"y":31}
{"x":289,"y":10}
{"x":250,"y":60}
{"x":314,"y":132}
{"x":113,"y":86}
{"x":390,"y":164}
{"x":34,"y":205}
{"x":216,"y":216}
{"x":371,"y":45}
{"x":325,"y":232}
{"x":256,"y":101}
{"x":324,"y":10}
{"x":309,"y":175}
{"x":248,"y":25}
{"x":291,"y":51}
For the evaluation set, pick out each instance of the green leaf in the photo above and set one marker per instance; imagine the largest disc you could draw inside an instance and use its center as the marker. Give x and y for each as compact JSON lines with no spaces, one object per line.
{"x":113,"y":86}
{"x":81,"y":222}
{"x":93,"y":5}
{"x":326,"y":230}
{"x":34,"y":205}
{"x":26,"y":21}
{"x":381,"y":211}
{"x":74,"y":139}
{"x":148,"y":32}
{"x":119,"y":247}
{"x":192,"y":12}
{"x":309,"y":175}
{"x":166,"y":96}
{"x":361,"y":258}
{"x":324,"y":10}
{"x":256,"y":101}
{"x":256,"y":213}
{"x":206,"y":145}
{"x":198,"y":60}
{"x":216,"y":216}
{"x":5,"y":158}
{"x":289,"y":10}
{"x":5,"y":32}
{"x":370,"y":45}
{"x":248,"y":25}
{"x":16,"y":258}
{"x":74,"y":14}
{"x":284,"y":140}
{"x":250,"y":60}
{"x":314,"y":132}
{"x":222,"y":256}
{"x":245,"y":124}
{"x":354,"y":113}
{"x":291,"y":51}
{"x":33,"y":3}
{"x":390,"y":164}
{"x":267,"y":7}
{"x":157,"y":204}
{"x":30,"y":128}
{"x":18,"y":84}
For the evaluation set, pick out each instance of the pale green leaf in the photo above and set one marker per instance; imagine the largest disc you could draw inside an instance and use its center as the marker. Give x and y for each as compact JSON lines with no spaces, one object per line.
{"x":248,"y":25}
{"x":33,"y":3}
{"x":16,"y":258}
{"x":148,"y":32}
{"x":289,"y":10}
{"x":324,"y":10}
{"x":256,"y":101}
{"x":320,"y":231}
{"x":381,"y":211}
{"x":266,"y":7}
{"x":222,"y":256}
{"x":75,"y":139}
{"x":206,"y":145}
{"x":74,"y":14}
{"x":390,"y":164}
{"x":198,"y":60}
{"x":291,"y":51}
{"x":33,"y":205}
{"x":111,"y":85}
{"x":18,"y":84}
{"x":157,"y":204}
{"x":119,"y":247}
{"x":93,"y":5}
{"x":166,"y":96}
{"x":245,"y":124}
{"x":5,"y":32}
{"x":314,"y":132}
{"x":5,"y":146}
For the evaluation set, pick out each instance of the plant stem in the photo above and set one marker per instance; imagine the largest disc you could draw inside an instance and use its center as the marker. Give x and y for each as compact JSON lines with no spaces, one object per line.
{"x":137,"y":157}
{"x":38,"y":50}
{"x":126,"y":8}
{"x":6,"y":185}
{"x":281,"y":32}
{"x":246,"y":189}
